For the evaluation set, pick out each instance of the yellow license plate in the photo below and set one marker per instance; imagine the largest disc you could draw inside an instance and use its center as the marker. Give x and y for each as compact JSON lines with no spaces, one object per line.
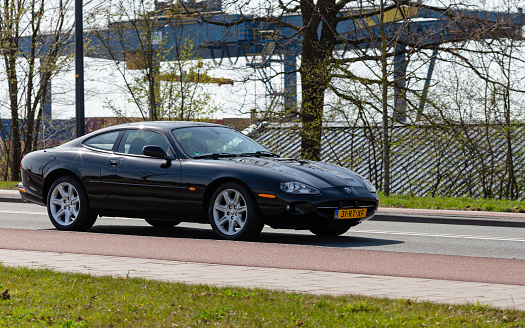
{"x":350,"y":213}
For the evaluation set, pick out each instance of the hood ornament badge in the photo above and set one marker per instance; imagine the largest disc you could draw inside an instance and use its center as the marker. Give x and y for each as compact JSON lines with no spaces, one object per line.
{"x":348,"y":190}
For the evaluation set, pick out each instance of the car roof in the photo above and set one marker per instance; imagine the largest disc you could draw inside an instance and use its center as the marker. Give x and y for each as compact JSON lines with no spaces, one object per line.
{"x":166,"y":124}
{"x":159,"y":125}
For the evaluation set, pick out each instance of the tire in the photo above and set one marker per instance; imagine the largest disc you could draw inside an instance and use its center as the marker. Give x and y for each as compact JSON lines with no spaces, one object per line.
{"x":162,"y":223}
{"x":331,"y":230}
{"x":68,"y":206}
{"x":233,"y":213}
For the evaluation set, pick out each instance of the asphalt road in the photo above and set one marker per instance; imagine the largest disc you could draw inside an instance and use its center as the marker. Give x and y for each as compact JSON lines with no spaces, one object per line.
{"x":458,"y":240}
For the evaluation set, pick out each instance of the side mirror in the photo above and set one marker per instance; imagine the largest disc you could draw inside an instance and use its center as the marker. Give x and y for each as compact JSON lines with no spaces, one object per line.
{"x":154,"y":151}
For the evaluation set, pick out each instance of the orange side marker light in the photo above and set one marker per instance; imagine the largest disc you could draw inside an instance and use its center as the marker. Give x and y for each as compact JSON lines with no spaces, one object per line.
{"x":193,"y":188}
{"x":266,"y":196}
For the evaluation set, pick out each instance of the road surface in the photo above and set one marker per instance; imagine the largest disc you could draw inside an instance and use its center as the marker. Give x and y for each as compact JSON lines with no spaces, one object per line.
{"x":448,"y":252}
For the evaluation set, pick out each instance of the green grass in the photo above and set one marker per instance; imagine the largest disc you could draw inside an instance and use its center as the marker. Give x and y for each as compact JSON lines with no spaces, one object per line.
{"x":43,"y":298}
{"x":452,"y":203}
{"x":10,"y":185}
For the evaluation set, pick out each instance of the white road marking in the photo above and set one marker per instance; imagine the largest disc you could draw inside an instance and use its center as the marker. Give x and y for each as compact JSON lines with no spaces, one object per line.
{"x":444,"y":235}
{"x":45,"y":213}
{"x":23,"y":212}
{"x":119,"y":218}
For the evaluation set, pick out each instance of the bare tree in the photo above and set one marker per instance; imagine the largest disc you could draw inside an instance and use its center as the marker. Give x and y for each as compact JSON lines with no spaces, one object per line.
{"x":163,"y":74}
{"x":33,"y":36}
{"x":316,"y":25}
{"x":394,"y":54}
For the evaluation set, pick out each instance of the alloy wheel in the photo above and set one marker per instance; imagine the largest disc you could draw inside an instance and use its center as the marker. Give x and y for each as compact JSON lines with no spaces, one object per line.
{"x":230,"y":212}
{"x":64,"y":204}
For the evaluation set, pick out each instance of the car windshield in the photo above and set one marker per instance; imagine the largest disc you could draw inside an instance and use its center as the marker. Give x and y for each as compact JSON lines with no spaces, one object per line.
{"x":206,"y":141}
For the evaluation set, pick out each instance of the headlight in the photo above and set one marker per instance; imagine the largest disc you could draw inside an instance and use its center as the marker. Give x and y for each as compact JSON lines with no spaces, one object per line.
{"x":369,"y":186}
{"x":298,"y":188}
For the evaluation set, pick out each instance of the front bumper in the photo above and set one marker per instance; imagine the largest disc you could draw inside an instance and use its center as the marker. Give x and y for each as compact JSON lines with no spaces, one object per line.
{"x":304,"y":211}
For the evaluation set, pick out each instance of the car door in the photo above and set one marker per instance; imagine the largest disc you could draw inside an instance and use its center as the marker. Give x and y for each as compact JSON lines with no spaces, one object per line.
{"x":98,"y":148}
{"x":139,"y":183}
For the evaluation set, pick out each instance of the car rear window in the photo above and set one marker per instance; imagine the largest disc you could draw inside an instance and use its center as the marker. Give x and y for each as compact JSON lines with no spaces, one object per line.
{"x":134,"y":140}
{"x":103,"y":141}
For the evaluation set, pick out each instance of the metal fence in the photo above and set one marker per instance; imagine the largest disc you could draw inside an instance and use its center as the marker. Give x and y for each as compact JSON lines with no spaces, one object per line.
{"x":461,"y":160}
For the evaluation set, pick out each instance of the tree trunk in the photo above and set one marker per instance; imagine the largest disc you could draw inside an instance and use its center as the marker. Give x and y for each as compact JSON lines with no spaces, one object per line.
{"x":316,"y":53}
{"x":16,"y":146}
{"x":153,"y":71}
{"x":312,"y":109}
{"x":384,"y":100}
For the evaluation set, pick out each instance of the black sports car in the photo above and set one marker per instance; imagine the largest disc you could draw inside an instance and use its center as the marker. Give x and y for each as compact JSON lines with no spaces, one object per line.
{"x":168,"y":172}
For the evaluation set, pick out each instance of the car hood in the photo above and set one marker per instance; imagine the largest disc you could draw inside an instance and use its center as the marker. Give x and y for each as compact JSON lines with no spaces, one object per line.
{"x":316,"y":174}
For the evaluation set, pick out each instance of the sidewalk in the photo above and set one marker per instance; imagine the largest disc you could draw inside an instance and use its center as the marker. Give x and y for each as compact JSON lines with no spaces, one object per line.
{"x":301,"y":281}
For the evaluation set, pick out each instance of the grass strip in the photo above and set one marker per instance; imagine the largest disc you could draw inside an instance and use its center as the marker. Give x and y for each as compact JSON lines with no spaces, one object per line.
{"x":452,"y":203}
{"x":9,"y":185}
{"x":43,"y":298}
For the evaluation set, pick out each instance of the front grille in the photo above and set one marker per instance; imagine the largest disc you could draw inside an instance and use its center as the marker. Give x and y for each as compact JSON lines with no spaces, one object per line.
{"x":328,"y":208}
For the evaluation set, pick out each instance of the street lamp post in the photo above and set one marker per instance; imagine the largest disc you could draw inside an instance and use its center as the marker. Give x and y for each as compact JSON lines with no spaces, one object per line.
{"x":79,"y":70}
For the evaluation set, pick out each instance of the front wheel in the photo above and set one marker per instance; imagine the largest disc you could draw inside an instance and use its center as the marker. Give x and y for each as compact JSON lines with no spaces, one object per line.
{"x":331,"y":229}
{"x":68,"y":206}
{"x":233,"y":212}
{"x":161,"y":223}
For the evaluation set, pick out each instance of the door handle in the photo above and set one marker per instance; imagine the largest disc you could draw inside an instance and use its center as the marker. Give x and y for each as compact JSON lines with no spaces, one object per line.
{"x":113,"y":162}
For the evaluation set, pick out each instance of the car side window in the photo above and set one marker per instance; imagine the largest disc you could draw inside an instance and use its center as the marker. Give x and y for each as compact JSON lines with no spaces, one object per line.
{"x":103,"y":141}
{"x":134,"y":140}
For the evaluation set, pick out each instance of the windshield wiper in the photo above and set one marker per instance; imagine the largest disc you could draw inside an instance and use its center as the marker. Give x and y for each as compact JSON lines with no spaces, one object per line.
{"x":260,"y":153}
{"x":216,"y":155}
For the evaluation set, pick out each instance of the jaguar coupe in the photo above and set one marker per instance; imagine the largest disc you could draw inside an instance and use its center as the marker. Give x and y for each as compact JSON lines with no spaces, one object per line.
{"x":172,"y":172}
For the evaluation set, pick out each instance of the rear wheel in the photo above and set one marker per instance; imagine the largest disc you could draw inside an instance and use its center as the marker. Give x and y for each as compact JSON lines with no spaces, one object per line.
{"x":332,"y":229}
{"x":68,"y":206}
{"x":233,"y":212}
{"x":162,"y":223}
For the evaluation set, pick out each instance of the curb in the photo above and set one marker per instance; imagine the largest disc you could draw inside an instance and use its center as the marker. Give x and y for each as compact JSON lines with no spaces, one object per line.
{"x":10,"y":196}
{"x":449,"y":220}
{"x":11,"y":200}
